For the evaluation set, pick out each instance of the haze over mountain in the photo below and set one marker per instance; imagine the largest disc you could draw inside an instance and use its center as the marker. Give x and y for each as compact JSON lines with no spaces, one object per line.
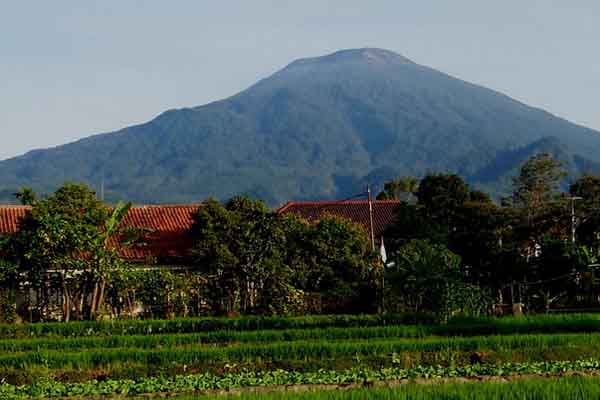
{"x":319,"y":128}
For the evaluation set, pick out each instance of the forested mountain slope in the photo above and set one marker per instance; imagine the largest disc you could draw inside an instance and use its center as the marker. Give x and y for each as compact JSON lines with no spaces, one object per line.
{"x":319,"y":128}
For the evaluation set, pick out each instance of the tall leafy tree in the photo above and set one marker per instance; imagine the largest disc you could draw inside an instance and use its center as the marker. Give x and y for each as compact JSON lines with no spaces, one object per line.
{"x":403,"y":188}
{"x":588,"y":188}
{"x":334,"y":259}
{"x":478,"y":238}
{"x":238,"y":246}
{"x":9,"y":278}
{"x":435,"y":216}
{"x":538,"y":183}
{"x":419,"y":272}
{"x":26,"y":196}
{"x":442,"y":195}
{"x":478,"y":196}
{"x":587,"y":208}
{"x":106,"y":259}
{"x":537,"y":198}
{"x":66,"y":237}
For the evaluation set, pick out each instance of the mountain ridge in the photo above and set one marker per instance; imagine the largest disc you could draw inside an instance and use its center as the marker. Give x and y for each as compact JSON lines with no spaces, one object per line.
{"x":314,"y":129}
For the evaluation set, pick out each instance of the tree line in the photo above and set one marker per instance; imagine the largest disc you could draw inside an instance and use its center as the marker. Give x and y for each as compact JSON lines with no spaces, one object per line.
{"x":245,"y":260}
{"x":539,"y":247}
{"x":451,"y":249}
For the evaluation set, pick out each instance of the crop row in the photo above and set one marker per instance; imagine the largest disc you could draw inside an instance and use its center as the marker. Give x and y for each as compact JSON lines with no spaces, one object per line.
{"x":580,"y":388}
{"x":204,"y":382}
{"x":232,"y":337}
{"x":216,"y":337}
{"x":298,"y":350}
{"x":413,"y":325}
{"x":208,"y":324}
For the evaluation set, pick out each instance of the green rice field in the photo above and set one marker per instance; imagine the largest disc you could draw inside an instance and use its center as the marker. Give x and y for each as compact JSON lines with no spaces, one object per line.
{"x":575,"y":388}
{"x":205,"y":356}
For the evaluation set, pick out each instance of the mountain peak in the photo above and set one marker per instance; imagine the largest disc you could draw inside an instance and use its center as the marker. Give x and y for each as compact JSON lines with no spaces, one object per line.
{"x":367,"y":54}
{"x":320,"y":128}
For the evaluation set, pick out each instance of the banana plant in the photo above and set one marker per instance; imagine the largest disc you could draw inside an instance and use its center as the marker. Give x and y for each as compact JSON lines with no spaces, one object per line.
{"x":107,"y":258}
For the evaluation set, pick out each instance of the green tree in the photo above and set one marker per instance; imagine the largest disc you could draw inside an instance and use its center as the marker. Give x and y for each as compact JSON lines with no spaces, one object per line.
{"x":403,"y":188}
{"x":538,"y":183}
{"x":437,"y":215}
{"x":588,"y":188}
{"x":419,"y":274}
{"x":443,"y":191}
{"x":588,"y":208}
{"x":106,"y":260}
{"x":333,"y":258}
{"x":540,"y":209}
{"x":442,"y":195}
{"x":9,"y":278}
{"x":26,"y":196}
{"x":477,"y":196}
{"x":65,"y":237}
{"x":238,"y":247}
{"x":411,"y":221}
{"x":478,"y":237}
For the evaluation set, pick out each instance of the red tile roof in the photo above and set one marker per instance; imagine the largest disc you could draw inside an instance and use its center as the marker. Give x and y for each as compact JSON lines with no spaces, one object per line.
{"x":166,"y":238}
{"x":355,"y":210}
{"x":10,"y":216}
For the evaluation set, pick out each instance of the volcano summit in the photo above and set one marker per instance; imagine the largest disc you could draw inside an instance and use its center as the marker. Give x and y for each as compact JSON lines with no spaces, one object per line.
{"x":319,"y":128}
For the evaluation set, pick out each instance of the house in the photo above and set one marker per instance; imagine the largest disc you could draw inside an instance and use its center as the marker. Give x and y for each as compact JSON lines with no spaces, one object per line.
{"x":354,"y":210}
{"x":158,"y":238}
{"x":162,"y":230}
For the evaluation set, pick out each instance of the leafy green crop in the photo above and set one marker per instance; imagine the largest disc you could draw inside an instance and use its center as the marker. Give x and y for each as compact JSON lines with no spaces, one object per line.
{"x":202,"y":382}
{"x":555,"y":388}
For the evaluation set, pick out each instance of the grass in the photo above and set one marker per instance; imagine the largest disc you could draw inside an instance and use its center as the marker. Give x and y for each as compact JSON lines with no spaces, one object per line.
{"x":192,"y":325}
{"x":408,"y":325}
{"x":299,"y":350}
{"x":216,"y":337}
{"x":317,"y":343}
{"x":574,"y":388}
{"x":84,"y":351}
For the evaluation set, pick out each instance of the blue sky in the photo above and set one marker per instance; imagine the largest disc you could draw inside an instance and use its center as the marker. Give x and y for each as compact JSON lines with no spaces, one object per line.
{"x":70,"y":69}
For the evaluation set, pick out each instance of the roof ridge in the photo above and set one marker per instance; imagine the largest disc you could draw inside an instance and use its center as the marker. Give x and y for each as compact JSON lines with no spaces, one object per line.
{"x":166,"y":205}
{"x":301,"y":203}
{"x":17,"y":206}
{"x":316,"y":202}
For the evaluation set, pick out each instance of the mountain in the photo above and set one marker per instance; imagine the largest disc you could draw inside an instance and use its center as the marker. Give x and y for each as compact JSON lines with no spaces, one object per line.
{"x":319,"y":128}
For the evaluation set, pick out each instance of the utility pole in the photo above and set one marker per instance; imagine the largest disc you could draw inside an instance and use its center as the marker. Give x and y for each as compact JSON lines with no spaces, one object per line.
{"x":383,"y":256}
{"x":573,"y":199}
{"x":102,"y":188}
{"x":371,"y":217}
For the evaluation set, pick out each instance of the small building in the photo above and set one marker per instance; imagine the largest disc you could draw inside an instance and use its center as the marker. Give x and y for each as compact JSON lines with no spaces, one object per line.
{"x":164,"y":228}
{"x":354,"y":210}
{"x":163,"y":231}
{"x":158,"y":238}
